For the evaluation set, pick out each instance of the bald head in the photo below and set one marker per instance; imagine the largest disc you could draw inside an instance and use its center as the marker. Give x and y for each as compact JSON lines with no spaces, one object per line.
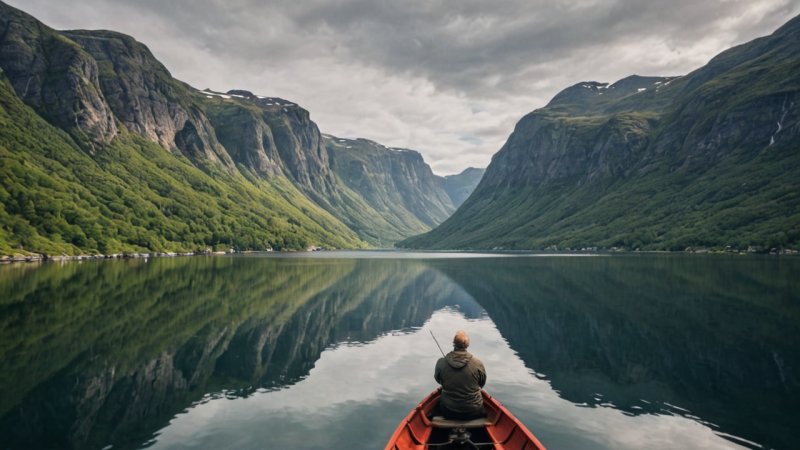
{"x":461,"y":340}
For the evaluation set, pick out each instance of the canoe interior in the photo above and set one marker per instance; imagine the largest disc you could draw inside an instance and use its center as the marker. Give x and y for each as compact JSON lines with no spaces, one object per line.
{"x":503,"y":432}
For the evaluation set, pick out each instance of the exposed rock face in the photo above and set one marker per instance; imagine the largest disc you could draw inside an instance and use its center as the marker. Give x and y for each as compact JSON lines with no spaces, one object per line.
{"x":299,"y":144}
{"x":568,"y":151}
{"x":247,"y":138}
{"x":649,"y":162}
{"x":391,"y":176}
{"x":273,"y":136}
{"x":105,"y":76}
{"x":386,"y":194}
{"x":54,"y":75}
{"x":145,"y":97}
{"x":589,"y":131}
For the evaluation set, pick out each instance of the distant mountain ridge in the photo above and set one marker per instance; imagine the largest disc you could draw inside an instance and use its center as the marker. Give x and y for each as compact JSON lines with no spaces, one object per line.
{"x":389,"y":193}
{"x":87,"y":116}
{"x":707,"y":160}
{"x":461,"y":185}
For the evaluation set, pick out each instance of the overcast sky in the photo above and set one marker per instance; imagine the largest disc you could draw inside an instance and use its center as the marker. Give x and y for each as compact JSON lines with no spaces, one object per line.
{"x":447,"y":78}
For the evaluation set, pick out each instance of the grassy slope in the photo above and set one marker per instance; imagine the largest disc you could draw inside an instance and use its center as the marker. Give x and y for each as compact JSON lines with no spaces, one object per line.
{"x":379,"y":228}
{"x":135,"y":196}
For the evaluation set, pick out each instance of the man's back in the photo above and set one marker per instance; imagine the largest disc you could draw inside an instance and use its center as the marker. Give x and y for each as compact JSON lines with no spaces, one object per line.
{"x":462,"y":376}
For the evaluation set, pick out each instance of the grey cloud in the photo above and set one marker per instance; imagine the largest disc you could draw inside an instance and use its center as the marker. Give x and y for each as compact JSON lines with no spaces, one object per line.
{"x":447,"y":77}
{"x":462,"y":45}
{"x":478,"y":47}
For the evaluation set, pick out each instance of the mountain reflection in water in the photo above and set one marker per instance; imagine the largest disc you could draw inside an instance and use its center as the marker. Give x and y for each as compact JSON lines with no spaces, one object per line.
{"x":609,"y":352}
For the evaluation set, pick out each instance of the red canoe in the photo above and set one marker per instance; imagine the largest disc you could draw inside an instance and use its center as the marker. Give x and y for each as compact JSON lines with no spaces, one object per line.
{"x":500,"y":430}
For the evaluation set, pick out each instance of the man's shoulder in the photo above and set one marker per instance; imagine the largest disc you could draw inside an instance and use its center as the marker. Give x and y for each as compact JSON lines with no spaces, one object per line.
{"x":476,"y":361}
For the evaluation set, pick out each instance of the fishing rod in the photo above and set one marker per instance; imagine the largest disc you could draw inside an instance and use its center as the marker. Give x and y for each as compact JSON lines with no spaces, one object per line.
{"x":437,"y":343}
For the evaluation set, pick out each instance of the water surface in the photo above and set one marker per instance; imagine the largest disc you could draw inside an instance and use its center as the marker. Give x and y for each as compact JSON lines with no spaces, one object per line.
{"x":255,"y":351}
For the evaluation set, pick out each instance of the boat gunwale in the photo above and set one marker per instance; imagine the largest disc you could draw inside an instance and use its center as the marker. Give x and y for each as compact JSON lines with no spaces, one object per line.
{"x":421,"y":410}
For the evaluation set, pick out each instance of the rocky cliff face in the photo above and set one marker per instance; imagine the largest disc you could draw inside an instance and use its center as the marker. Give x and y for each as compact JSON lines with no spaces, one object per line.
{"x":268,"y":135}
{"x":388,"y":177}
{"x":246,"y":137}
{"x":387,"y":193}
{"x":54,"y":76}
{"x":589,"y":132}
{"x":300,"y":146}
{"x":702,"y":160}
{"x":574,"y":150}
{"x":147,"y":100}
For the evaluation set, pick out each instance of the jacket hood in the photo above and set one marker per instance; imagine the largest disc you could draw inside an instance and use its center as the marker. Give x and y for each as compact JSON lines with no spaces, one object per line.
{"x":458,"y":359}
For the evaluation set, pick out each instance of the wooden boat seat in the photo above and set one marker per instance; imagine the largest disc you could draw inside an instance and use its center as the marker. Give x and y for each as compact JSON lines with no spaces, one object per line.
{"x":441,"y":422}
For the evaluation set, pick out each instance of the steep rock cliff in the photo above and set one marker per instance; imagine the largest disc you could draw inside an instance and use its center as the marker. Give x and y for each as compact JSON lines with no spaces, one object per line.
{"x":391,"y":176}
{"x":394,"y":185}
{"x":55,"y":76}
{"x":146,"y":99}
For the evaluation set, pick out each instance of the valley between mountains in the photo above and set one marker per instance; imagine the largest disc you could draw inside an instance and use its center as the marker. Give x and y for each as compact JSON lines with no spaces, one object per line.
{"x":102,"y":151}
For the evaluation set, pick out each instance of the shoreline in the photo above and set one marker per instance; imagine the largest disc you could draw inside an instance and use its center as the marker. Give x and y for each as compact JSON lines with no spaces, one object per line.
{"x":43,"y":258}
{"x":39,"y":258}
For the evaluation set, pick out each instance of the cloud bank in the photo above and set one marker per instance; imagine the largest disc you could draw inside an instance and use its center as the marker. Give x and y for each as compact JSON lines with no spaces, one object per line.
{"x":448,"y":78}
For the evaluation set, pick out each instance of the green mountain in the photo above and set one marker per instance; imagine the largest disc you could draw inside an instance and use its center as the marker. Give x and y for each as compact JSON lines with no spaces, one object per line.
{"x":709,"y":159}
{"x":103,"y":151}
{"x":388,"y":193}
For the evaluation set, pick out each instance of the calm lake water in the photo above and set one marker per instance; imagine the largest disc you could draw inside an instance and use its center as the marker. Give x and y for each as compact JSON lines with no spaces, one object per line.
{"x":331,"y":351}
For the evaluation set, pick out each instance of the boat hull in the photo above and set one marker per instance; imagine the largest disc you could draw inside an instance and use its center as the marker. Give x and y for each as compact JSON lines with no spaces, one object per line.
{"x":499,"y":431}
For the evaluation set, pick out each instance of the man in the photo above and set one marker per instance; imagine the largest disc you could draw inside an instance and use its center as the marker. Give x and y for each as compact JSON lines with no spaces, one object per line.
{"x":462,"y":376}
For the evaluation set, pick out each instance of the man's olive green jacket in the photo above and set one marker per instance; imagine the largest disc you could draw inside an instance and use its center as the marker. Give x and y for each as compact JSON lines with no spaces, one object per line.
{"x":462,"y":376}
